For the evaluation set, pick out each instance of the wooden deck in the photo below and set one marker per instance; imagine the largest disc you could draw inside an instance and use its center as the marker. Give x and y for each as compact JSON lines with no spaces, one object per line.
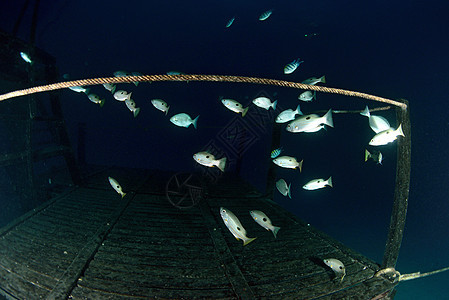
{"x":91,"y":244}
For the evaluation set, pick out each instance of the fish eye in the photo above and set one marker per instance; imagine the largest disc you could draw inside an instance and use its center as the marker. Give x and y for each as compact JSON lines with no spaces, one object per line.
{"x":238,"y":228}
{"x":264,"y":219}
{"x":236,"y":104}
{"x":318,"y":181}
{"x":341,"y":268}
{"x":207,"y":156}
{"x":308,"y":118}
{"x":118,"y":186}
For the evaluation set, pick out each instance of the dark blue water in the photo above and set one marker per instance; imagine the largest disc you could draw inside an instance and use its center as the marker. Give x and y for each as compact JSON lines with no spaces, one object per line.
{"x":387,"y":49}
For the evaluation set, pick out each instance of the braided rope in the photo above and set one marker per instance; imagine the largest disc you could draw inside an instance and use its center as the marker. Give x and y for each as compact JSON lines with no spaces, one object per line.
{"x":188,"y":77}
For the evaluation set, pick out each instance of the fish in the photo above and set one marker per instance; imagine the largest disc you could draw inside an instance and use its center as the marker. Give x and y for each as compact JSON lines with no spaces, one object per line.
{"x":234,"y":226}
{"x":206,"y":159}
{"x":376,"y":156}
{"x":283,"y":188}
{"x":307,"y":96}
{"x":265,"y":15}
{"x":229,"y":23}
{"x":26,"y":57}
{"x":161,"y":105}
{"x":288,"y":115}
{"x":316,"y":184}
{"x":291,"y":67}
{"x":116,"y":186}
{"x":234,"y":106}
{"x":96,"y":99}
{"x":110,"y":87}
{"x":264,"y":102}
{"x":309,"y":123}
{"x":314,"y":80}
{"x":386,"y":136}
{"x":263,"y":220}
{"x":80,"y":89}
{"x":377,"y":123}
{"x":288,"y":162}
{"x":275,"y":153}
{"x":122,"y":95}
{"x":184,"y":120}
{"x":132,"y":107}
{"x":175,"y":73}
{"x":121,"y":74}
{"x":337,"y":266}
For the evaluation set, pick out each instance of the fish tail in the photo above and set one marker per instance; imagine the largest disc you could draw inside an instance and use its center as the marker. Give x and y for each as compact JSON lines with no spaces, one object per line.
{"x":274,"y":104}
{"x":328,"y":118}
{"x":289,"y":192}
{"x":300,"y":165}
{"x":329,"y":182}
{"x":365,"y":112}
{"x":123,"y":195}
{"x":245,"y":110}
{"x":195,"y":121}
{"x":399,"y":130}
{"x":248,"y":240}
{"x":102,"y":102}
{"x":275,"y":230}
{"x":136,"y":83}
{"x":323,"y":79}
{"x":314,"y":95}
{"x":87,"y":91}
{"x":136,"y":112}
{"x":367,"y":154}
{"x":221,"y":164}
{"x":129,"y":96}
{"x":166,"y":112}
{"x":298,"y":110}
{"x":113,"y":89}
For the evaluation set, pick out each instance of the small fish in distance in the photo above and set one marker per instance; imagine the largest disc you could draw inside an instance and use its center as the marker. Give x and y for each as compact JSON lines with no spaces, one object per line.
{"x":110,"y":87}
{"x":116,"y":186}
{"x":184,"y":120}
{"x":288,"y":115}
{"x":288,"y":162}
{"x":234,"y":106}
{"x":316,"y":184}
{"x":234,"y":226}
{"x":376,"y":156}
{"x":307,"y":96}
{"x":263,"y":220}
{"x":309,"y":123}
{"x":229,"y":23}
{"x":386,"y":136}
{"x":291,"y":67}
{"x":96,"y":99}
{"x":80,"y":89}
{"x":264,"y":102}
{"x":206,"y":159}
{"x":26,"y":57}
{"x":160,"y":105}
{"x":314,"y":80}
{"x":265,"y":15}
{"x":132,"y":107}
{"x":283,"y":188}
{"x":122,"y":95}
{"x":275,"y":153}
{"x":337,"y":266}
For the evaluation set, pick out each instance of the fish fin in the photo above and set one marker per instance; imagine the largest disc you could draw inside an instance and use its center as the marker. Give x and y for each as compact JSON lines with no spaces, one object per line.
{"x":245,"y":110}
{"x":367,"y":154}
{"x":129,"y":96}
{"x":274,"y":104}
{"x":221,"y":164}
{"x":341,"y":280}
{"x":195,"y":121}
{"x":275,"y":230}
{"x":365,"y":112}
{"x":328,"y":118}
{"x":102,"y":102}
{"x":323,"y":79}
{"x":399,"y":130}
{"x":288,"y":191}
{"x":314,"y":95}
{"x":298,"y":110}
{"x":329,"y":182}
{"x":136,"y":83}
{"x":87,"y":91}
{"x":249,"y":240}
{"x":136,"y":112}
{"x":166,"y":112}
{"x":113,"y":89}
{"x":123,"y":195}
{"x":300,"y":165}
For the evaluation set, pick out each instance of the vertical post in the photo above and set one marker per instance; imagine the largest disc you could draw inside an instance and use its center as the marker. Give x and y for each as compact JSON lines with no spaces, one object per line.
{"x":401,"y":193}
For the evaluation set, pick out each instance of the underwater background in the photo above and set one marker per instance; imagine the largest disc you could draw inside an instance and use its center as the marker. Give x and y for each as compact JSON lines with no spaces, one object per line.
{"x":394,"y":50}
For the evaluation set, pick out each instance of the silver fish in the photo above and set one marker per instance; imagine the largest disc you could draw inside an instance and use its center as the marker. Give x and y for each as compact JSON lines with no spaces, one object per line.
{"x":175,"y":73}
{"x":116,"y":186}
{"x":282,"y":187}
{"x":121,"y":74}
{"x":80,"y":89}
{"x":96,"y":99}
{"x":377,"y":123}
{"x":161,"y":105}
{"x":110,"y":87}
{"x":288,"y":162}
{"x":337,"y":266}
{"x":314,"y":80}
{"x":309,"y":123}
{"x":184,"y":120}
{"x":122,"y":95}
{"x":234,"y":226}
{"x":206,"y":159}
{"x":288,"y":115}
{"x":132,"y":107}
{"x":264,"y":102}
{"x":263,"y":220}
{"x":265,"y":15}
{"x":291,"y":67}
{"x":307,"y":96}
{"x":234,"y":106}
{"x":386,"y":136}
{"x":317,"y":184}
{"x":26,"y":57}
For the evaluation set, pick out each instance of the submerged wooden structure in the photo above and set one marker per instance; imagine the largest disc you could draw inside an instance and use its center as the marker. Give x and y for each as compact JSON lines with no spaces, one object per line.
{"x":90,"y":244}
